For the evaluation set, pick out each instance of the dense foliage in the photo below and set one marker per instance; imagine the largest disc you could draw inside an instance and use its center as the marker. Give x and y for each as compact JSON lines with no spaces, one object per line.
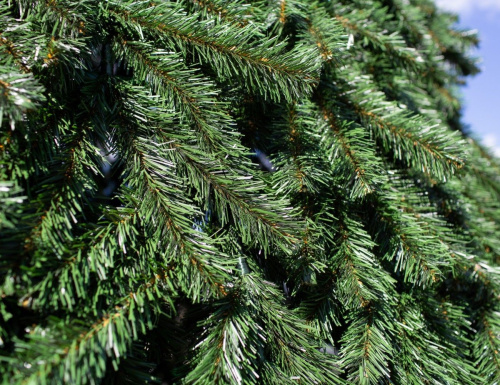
{"x":215,"y":192}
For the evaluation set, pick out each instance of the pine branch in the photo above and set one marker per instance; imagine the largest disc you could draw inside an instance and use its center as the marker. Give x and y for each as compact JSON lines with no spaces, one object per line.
{"x":19,"y":93}
{"x":62,"y":203}
{"x":422,"y":356}
{"x":230,"y":54}
{"x":348,"y":151}
{"x":232,"y":11}
{"x":299,"y":168}
{"x":416,"y":252}
{"x":325,"y":33}
{"x":86,"y":351}
{"x":487,"y":346}
{"x":71,"y":279}
{"x":173,"y":221}
{"x":424,"y":145}
{"x":321,"y":308}
{"x":370,"y":35}
{"x":158,"y":194}
{"x":360,"y":278}
{"x":229,"y":182}
{"x":185,"y":90}
{"x":231,"y":343}
{"x":345,"y":235}
{"x":367,"y":347}
{"x":252,"y":309}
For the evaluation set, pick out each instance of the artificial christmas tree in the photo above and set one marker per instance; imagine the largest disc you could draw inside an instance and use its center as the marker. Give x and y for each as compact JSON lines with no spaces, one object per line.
{"x":212,"y":192}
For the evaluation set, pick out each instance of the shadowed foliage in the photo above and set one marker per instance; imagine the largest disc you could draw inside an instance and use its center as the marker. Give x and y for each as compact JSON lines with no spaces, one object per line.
{"x":230,"y":192}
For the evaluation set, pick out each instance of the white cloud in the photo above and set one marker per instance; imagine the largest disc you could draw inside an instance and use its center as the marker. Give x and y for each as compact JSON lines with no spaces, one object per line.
{"x":465,"y":6}
{"x":492,"y":142}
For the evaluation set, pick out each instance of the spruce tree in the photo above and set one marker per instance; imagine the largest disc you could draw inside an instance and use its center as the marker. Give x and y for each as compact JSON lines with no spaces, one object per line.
{"x":231,"y":192}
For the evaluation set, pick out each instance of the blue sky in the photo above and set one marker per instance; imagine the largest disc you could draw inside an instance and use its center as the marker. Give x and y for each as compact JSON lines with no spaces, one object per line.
{"x":481,"y":96}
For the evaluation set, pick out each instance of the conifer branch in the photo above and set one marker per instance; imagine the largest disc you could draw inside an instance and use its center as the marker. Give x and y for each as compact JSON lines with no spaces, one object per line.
{"x":321,"y":309}
{"x":487,"y":346}
{"x":229,"y":185}
{"x":367,"y":348}
{"x":327,"y":237}
{"x":424,"y":145}
{"x":393,"y":43}
{"x":296,"y":137}
{"x":325,"y":33}
{"x":71,"y":277}
{"x":160,"y":203}
{"x":413,"y":252}
{"x":187,"y":91}
{"x":228,"y":53}
{"x":19,"y":93}
{"x":192,"y":248}
{"x":10,"y":50}
{"x":414,"y":338}
{"x":109,"y":336}
{"x":62,"y":207}
{"x":363,"y":180}
{"x":254,"y":215}
{"x":359,"y":281}
{"x":232,"y":11}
